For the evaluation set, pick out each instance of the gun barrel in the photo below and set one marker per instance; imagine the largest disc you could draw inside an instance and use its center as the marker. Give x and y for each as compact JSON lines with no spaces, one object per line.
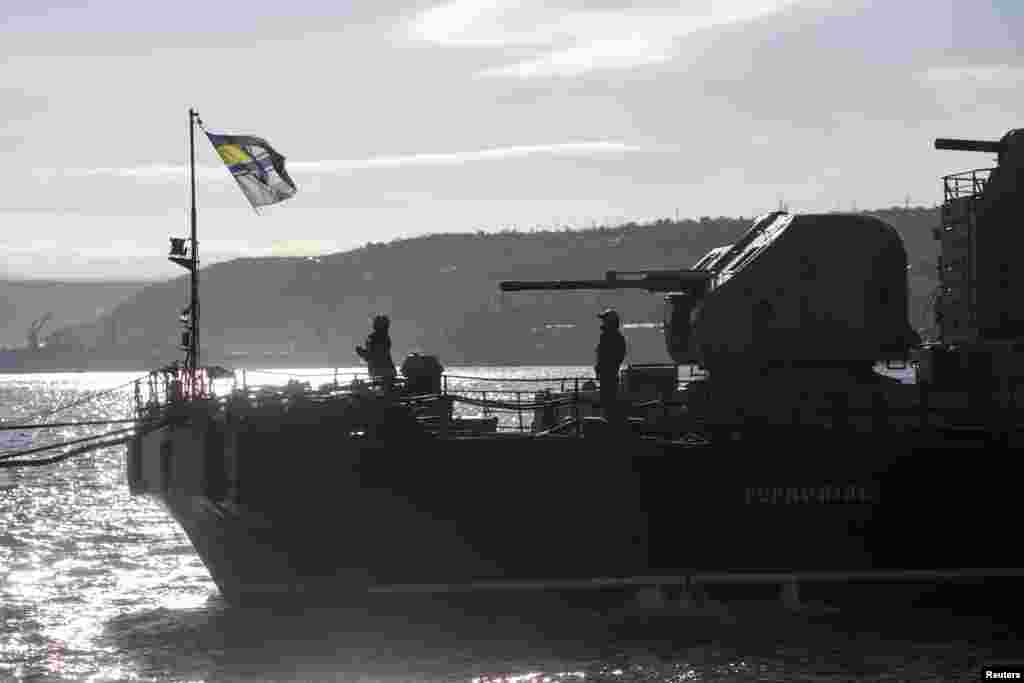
{"x":650,"y":280}
{"x":540,"y":285}
{"x":960,"y":145}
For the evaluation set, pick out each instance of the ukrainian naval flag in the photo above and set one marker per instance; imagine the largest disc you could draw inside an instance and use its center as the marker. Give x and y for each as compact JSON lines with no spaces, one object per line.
{"x":258,"y":169}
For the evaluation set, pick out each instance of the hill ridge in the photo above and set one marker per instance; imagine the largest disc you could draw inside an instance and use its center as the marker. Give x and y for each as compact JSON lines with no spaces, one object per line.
{"x":441,"y":291}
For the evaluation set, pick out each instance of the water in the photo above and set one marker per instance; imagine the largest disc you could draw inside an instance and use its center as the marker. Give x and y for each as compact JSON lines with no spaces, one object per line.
{"x":97,"y":585}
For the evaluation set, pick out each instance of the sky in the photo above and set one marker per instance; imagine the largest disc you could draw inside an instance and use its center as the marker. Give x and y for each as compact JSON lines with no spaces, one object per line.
{"x":404,"y":118}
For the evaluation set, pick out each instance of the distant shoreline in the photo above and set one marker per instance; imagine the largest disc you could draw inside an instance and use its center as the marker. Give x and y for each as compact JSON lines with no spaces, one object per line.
{"x":44,"y":282}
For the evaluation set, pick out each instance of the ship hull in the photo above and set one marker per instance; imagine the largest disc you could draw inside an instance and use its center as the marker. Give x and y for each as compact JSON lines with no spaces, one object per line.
{"x":309,"y":514}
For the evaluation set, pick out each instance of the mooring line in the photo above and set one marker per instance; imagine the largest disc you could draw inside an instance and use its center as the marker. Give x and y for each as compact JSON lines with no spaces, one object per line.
{"x":64,"y":456}
{"x":50,"y":447}
{"x":82,"y":400}
{"x":45,"y":425}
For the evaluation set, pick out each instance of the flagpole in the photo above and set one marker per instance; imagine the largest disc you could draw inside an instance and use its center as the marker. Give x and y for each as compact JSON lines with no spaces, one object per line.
{"x":193,"y":349}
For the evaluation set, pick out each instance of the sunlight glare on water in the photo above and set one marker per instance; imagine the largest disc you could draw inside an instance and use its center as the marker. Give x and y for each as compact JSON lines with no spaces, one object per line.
{"x":76,"y":549}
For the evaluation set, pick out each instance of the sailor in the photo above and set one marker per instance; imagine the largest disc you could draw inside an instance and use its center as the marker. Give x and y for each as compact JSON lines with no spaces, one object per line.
{"x":611,"y":350}
{"x":377,"y":353}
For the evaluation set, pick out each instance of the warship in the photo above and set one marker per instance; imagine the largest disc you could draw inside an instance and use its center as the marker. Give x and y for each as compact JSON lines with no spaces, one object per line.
{"x":788,"y":458}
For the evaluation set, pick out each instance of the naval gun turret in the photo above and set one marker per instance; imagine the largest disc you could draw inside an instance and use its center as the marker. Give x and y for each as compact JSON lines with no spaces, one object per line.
{"x":977,"y":307}
{"x":981,"y":282}
{"x":818,"y":290}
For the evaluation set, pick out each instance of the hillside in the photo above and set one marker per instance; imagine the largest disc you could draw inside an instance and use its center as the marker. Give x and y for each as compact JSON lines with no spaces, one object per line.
{"x":71,"y":303}
{"x":441,"y":292}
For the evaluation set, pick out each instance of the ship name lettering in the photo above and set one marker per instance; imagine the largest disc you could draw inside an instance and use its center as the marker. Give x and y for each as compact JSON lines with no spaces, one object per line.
{"x":796,"y":495}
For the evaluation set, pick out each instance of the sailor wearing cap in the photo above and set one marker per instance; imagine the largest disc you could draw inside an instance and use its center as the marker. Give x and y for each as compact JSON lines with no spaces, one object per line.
{"x":377,"y":352}
{"x":611,"y":351}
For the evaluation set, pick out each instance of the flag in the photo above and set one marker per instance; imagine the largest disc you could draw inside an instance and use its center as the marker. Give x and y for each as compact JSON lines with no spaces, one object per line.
{"x":257,"y":168}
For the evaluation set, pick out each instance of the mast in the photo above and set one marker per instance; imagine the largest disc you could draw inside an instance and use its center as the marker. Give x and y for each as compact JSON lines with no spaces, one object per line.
{"x":192,"y":360}
{"x":190,"y":261}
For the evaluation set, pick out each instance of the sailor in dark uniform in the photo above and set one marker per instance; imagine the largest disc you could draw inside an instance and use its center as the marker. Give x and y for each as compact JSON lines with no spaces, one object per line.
{"x":377,"y":353}
{"x":611,"y":351}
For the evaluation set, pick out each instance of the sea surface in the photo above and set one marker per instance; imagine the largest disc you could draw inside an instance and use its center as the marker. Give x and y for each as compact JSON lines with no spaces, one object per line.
{"x":97,"y":585}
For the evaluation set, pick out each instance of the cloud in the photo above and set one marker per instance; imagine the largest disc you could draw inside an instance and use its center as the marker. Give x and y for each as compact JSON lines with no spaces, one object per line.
{"x":40,"y":209}
{"x":458,"y":23}
{"x":170,"y":171}
{"x":571,"y":149}
{"x":996,"y":76}
{"x":20,"y":105}
{"x":600,"y":54}
{"x":977,"y":87}
{"x":555,"y":41}
{"x":138,"y":172}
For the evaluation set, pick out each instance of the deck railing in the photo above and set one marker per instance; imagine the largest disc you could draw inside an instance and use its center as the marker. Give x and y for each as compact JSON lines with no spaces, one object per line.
{"x":566,"y":402}
{"x":965,"y":184}
{"x":512,"y":400}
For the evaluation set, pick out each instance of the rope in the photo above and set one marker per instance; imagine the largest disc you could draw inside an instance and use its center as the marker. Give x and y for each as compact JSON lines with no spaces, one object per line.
{"x":50,"y":447}
{"x":305,"y":374}
{"x":492,"y":380}
{"x":449,"y":376}
{"x":519,"y":379}
{"x":65,"y":424}
{"x":506,"y":405}
{"x":64,"y":456}
{"x":80,"y":401}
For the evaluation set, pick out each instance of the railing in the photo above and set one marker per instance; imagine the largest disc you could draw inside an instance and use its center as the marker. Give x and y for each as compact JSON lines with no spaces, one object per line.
{"x":957,"y":277}
{"x":512,"y":401}
{"x":564,"y":403}
{"x":965,"y":184}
